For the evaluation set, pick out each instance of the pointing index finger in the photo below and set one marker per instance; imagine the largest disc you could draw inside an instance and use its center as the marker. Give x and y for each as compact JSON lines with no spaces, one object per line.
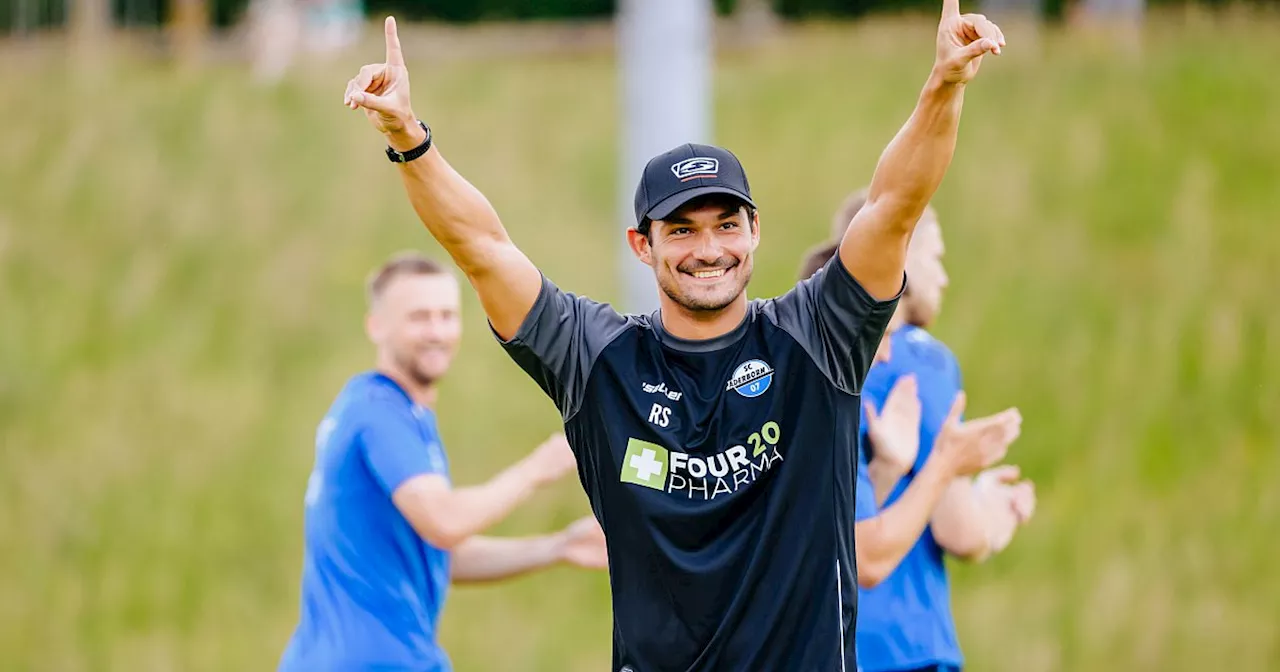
{"x":394,"y":55}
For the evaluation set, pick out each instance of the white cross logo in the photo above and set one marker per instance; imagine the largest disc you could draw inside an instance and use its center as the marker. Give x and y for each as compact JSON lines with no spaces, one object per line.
{"x":644,"y":464}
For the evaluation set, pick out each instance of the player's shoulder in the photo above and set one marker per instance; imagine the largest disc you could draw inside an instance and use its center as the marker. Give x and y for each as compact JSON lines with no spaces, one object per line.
{"x":779,"y":314}
{"x":920,"y":348}
{"x":371,"y":395}
{"x":599,"y":316}
{"x":593,"y":306}
{"x":795,"y":308}
{"x":784,"y":308}
{"x":374,"y":386}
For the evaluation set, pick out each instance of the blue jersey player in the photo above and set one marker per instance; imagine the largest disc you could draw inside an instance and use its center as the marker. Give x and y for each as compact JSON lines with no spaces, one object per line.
{"x":884,"y":536}
{"x":906,"y":623}
{"x":385,"y":532}
{"x":714,"y":437}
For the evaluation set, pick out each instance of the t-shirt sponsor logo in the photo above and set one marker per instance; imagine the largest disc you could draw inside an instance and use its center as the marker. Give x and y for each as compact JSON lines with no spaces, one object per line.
{"x":702,"y":477}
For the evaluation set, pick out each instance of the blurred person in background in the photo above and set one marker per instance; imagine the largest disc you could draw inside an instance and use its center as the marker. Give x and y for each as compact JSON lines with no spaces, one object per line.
{"x":385,"y":531}
{"x":885,"y":536}
{"x":277,"y":30}
{"x":906,"y":622}
{"x":713,"y":435}
{"x":332,"y":26}
{"x":273,"y":31}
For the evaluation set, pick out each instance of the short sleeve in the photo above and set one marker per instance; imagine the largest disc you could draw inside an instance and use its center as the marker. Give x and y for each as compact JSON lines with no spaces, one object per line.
{"x":836,"y":321}
{"x":397,"y":447}
{"x":559,"y":341}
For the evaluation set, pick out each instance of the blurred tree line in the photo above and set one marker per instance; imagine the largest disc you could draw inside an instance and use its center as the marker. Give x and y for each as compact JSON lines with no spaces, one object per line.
{"x":21,"y":15}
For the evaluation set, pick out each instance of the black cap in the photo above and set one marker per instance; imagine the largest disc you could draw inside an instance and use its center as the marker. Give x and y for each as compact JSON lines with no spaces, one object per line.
{"x":673,"y":178}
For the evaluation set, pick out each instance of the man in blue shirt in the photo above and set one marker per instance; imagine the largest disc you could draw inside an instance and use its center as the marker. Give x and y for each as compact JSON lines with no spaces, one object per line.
{"x":385,"y":531}
{"x":906,"y":623}
{"x":885,"y":536}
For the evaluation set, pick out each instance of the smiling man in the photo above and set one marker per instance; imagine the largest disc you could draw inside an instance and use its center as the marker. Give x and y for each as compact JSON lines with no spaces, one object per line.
{"x":715,"y":436}
{"x":385,"y":531}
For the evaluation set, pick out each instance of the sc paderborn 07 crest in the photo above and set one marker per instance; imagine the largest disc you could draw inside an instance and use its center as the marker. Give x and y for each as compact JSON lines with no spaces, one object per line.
{"x":751,"y":379}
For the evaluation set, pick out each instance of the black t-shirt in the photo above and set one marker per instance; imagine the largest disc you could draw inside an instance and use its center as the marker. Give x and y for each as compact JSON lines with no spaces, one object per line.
{"x":722,"y":471}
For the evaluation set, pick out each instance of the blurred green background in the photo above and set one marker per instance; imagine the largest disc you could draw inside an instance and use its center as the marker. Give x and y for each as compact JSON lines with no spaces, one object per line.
{"x":181,"y":265}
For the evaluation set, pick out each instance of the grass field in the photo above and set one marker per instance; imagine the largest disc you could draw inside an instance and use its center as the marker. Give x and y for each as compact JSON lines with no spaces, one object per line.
{"x":181,"y":267}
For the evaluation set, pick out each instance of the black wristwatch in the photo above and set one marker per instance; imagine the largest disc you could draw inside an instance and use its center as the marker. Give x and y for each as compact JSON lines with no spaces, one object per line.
{"x":405,"y":157}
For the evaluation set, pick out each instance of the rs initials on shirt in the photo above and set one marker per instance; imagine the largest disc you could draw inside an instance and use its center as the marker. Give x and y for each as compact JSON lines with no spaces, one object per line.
{"x":660,"y":415}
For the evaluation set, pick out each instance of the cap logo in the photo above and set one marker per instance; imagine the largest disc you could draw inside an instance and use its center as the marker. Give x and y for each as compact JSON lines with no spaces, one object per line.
{"x":696,"y":167}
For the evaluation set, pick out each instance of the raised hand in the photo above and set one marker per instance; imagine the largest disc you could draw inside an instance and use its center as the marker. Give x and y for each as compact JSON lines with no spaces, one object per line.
{"x":1001,"y":478}
{"x":895,"y":431}
{"x":1023,"y":497}
{"x":1005,"y":483}
{"x":963,"y":39}
{"x":998,"y":488}
{"x":382,"y":91}
{"x":974,"y":445}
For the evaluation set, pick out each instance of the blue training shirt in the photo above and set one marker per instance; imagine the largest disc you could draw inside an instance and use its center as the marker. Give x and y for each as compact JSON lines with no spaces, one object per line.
{"x":372,"y":589}
{"x":905,"y":622}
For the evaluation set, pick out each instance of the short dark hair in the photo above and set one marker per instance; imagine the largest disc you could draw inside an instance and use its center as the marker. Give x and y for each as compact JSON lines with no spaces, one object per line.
{"x":818,"y":257}
{"x":401,"y":263}
{"x":646,"y":224}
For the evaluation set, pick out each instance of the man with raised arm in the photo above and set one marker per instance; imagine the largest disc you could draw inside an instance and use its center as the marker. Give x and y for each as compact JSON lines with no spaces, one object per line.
{"x":714,"y":437}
